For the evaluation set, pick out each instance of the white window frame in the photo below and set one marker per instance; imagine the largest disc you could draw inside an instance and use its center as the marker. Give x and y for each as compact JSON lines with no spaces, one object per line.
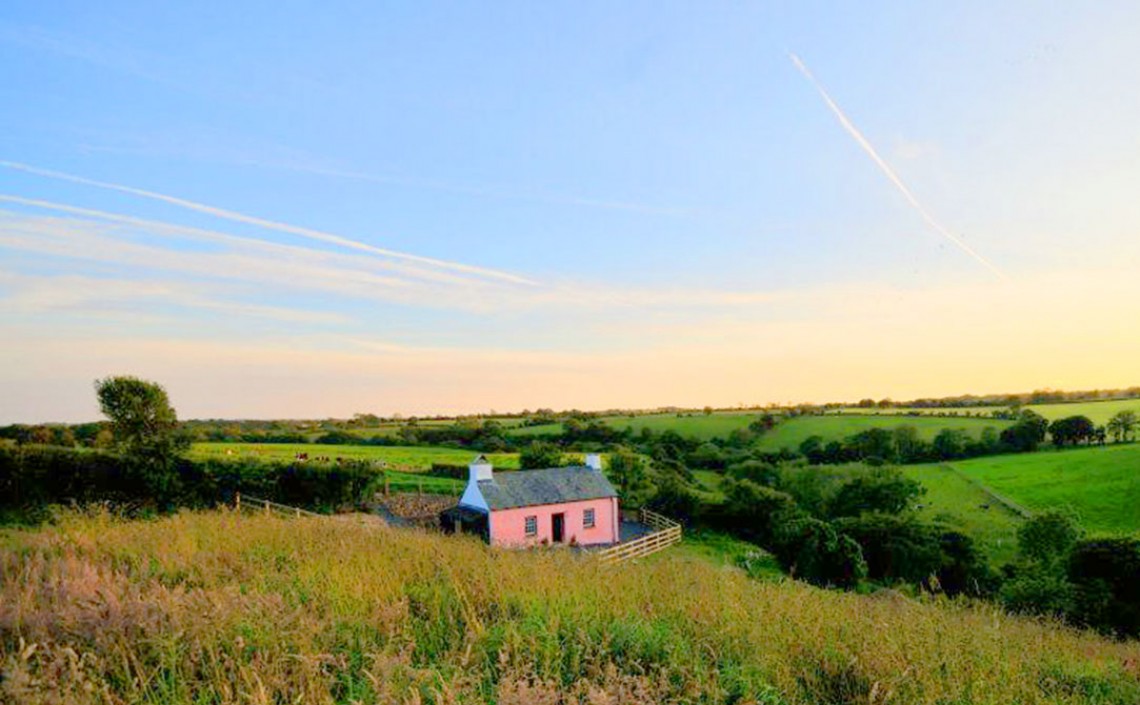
{"x":589,"y":518}
{"x":530,"y":525}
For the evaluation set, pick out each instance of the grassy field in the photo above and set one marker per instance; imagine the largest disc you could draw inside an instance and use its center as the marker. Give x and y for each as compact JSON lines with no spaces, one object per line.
{"x":220,"y":608}
{"x":1101,"y":485}
{"x":1098,"y":411}
{"x":697,"y":425}
{"x":791,"y":433}
{"x":951,"y":498}
{"x":404,"y":458}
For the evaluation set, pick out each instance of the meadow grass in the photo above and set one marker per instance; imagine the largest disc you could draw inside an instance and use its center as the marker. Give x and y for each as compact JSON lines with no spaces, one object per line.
{"x":221,"y":608}
{"x":1101,"y":484}
{"x":403,"y":458}
{"x":954,"y":500}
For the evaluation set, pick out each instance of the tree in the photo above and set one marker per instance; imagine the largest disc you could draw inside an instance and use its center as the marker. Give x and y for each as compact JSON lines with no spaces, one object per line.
{"x":630,"y":474}
{"x":1048,"y":537}
{"x":1122,"y":426}
{"x":1025,"y":435}
{"x":883,"y":490}
{"x":812,"y":449}
{"x":753,"y":511}
{"x":814,"y":551}
{"x":1072,"y":430}
{"x":540,"y":454}
{"x":949,"y":443}
{"x":145,"y":430}
{"x":910,"y":447}
{"x":874,"y":443}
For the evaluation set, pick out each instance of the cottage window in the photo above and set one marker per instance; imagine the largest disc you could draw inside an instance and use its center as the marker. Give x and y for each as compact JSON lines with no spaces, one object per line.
{"x":532,"y":526}
{"x":588,"y":519}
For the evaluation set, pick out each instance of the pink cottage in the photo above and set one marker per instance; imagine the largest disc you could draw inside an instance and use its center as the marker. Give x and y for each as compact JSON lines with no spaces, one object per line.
{"x":575,"y":505}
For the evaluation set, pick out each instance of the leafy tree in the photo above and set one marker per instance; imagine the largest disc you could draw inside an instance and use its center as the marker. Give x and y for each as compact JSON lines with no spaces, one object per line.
{"x":812,"y":448}
{"x":540,"y":454}
{"x":1072,"y":430}
{"x":909,"y":446}
{"x":630,"y":473}
{"x":753,"y":511}
{"x":1028,"y":433}
{"x":814,"y":551}
{"x":883,"y":490}
{"x":895,"y":547}
{"x":1047,"y":538}
{"x":145,"y":429}
{"x":949,"y":444}
{"x":874,"y":443}
{"x":1122,"y":426}
{"x":674,"y":498}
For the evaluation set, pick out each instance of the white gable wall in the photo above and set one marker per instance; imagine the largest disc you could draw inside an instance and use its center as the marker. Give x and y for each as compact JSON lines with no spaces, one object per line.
{"x":473,"y":498}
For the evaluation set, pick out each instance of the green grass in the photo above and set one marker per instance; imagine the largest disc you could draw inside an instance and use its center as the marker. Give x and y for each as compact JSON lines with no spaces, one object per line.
{"x":697,"y":425}
{"x":835,"y":427}
{"x":404,"y":458}
{"x":1098,"y":411}
{"x":953,"y":499}
{"x":1102,"y":485}
{"x":709,"y":485}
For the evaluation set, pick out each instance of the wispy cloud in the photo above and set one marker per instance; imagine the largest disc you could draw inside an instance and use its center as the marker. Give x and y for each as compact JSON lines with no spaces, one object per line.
{"x":309,"y":233}
{"x":95,"y":296}
{"x":484,"y":191}
{"x":101,"y":237}
{"x":889,"y":172}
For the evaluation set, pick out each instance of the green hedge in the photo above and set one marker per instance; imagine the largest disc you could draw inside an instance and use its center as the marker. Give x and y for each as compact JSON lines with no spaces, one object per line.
{"x":34,"y":476}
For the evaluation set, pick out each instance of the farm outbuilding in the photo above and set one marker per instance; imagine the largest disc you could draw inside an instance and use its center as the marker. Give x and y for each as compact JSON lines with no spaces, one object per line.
{"x":569,"y":505}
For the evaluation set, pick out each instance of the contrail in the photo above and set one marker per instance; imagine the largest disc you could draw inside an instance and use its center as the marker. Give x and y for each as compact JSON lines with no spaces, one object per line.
{"x":889,"y":172}
{"x":270,"y":224}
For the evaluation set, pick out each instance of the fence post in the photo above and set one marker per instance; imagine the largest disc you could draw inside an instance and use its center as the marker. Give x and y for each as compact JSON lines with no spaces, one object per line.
{"x":421,"y":487}
{"x":267,"y":506}
{"x":386,"y":491}
{"x":237,"y":502}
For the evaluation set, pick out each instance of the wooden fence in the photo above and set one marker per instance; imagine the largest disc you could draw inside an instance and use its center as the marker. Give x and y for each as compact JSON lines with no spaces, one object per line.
{"x":253,"y":504}
{"x":666,"y":532}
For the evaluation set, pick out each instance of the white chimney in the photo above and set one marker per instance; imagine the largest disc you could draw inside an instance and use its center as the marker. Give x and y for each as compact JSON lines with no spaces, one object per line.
{"x":594,"y":462}
{"x":480,"y":469}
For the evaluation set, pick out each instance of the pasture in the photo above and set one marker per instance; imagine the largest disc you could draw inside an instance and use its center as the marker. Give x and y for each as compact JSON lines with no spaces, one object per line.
{"x":1099,"y":412}
{"x":221,"y":608}
{"x":834,"y":427}
{"x":954,"y":500}
{"x":1101,"y":485}
{"x":402,"y":458}
{"x":695,"y":424}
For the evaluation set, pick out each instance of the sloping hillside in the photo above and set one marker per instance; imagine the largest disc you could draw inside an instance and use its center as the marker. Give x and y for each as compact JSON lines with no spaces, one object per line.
{"x":213,"y":607}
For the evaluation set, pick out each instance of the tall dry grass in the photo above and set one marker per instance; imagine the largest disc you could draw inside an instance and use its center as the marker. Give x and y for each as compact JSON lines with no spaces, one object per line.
{"x":221,"y":608}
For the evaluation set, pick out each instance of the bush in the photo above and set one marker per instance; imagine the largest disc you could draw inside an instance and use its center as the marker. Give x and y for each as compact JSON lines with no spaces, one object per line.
{"x":1106,"y":577}
{"x":812,"y":550}
{"x":32,"y":476}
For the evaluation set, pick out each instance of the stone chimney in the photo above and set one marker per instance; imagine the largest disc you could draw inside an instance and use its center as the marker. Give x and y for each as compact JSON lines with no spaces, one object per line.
{"x":594,"y":462}
{"x":480,"y":469}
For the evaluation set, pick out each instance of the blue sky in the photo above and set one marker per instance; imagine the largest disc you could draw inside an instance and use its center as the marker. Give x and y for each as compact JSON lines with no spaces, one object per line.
{"x":591,"y":204}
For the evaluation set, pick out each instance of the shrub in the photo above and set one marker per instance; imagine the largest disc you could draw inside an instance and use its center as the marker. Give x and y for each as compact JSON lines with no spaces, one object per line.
{"x":1106,"y":577}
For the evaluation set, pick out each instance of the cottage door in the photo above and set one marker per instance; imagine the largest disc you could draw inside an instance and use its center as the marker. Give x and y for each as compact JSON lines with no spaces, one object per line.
{"x":556,"y":523}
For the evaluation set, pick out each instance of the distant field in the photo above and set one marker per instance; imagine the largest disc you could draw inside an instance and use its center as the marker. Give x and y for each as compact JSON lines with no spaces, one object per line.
{"x":951,"y":498}
{"x":1098,"y":411}
{"x":406,"y":458}
{"x":791,"y":433}
{"x":697,"y":425}
{"x":1102,"y":485}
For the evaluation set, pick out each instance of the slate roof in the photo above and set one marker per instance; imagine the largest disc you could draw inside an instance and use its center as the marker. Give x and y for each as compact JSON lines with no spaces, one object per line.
{"x":526,"y":488}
